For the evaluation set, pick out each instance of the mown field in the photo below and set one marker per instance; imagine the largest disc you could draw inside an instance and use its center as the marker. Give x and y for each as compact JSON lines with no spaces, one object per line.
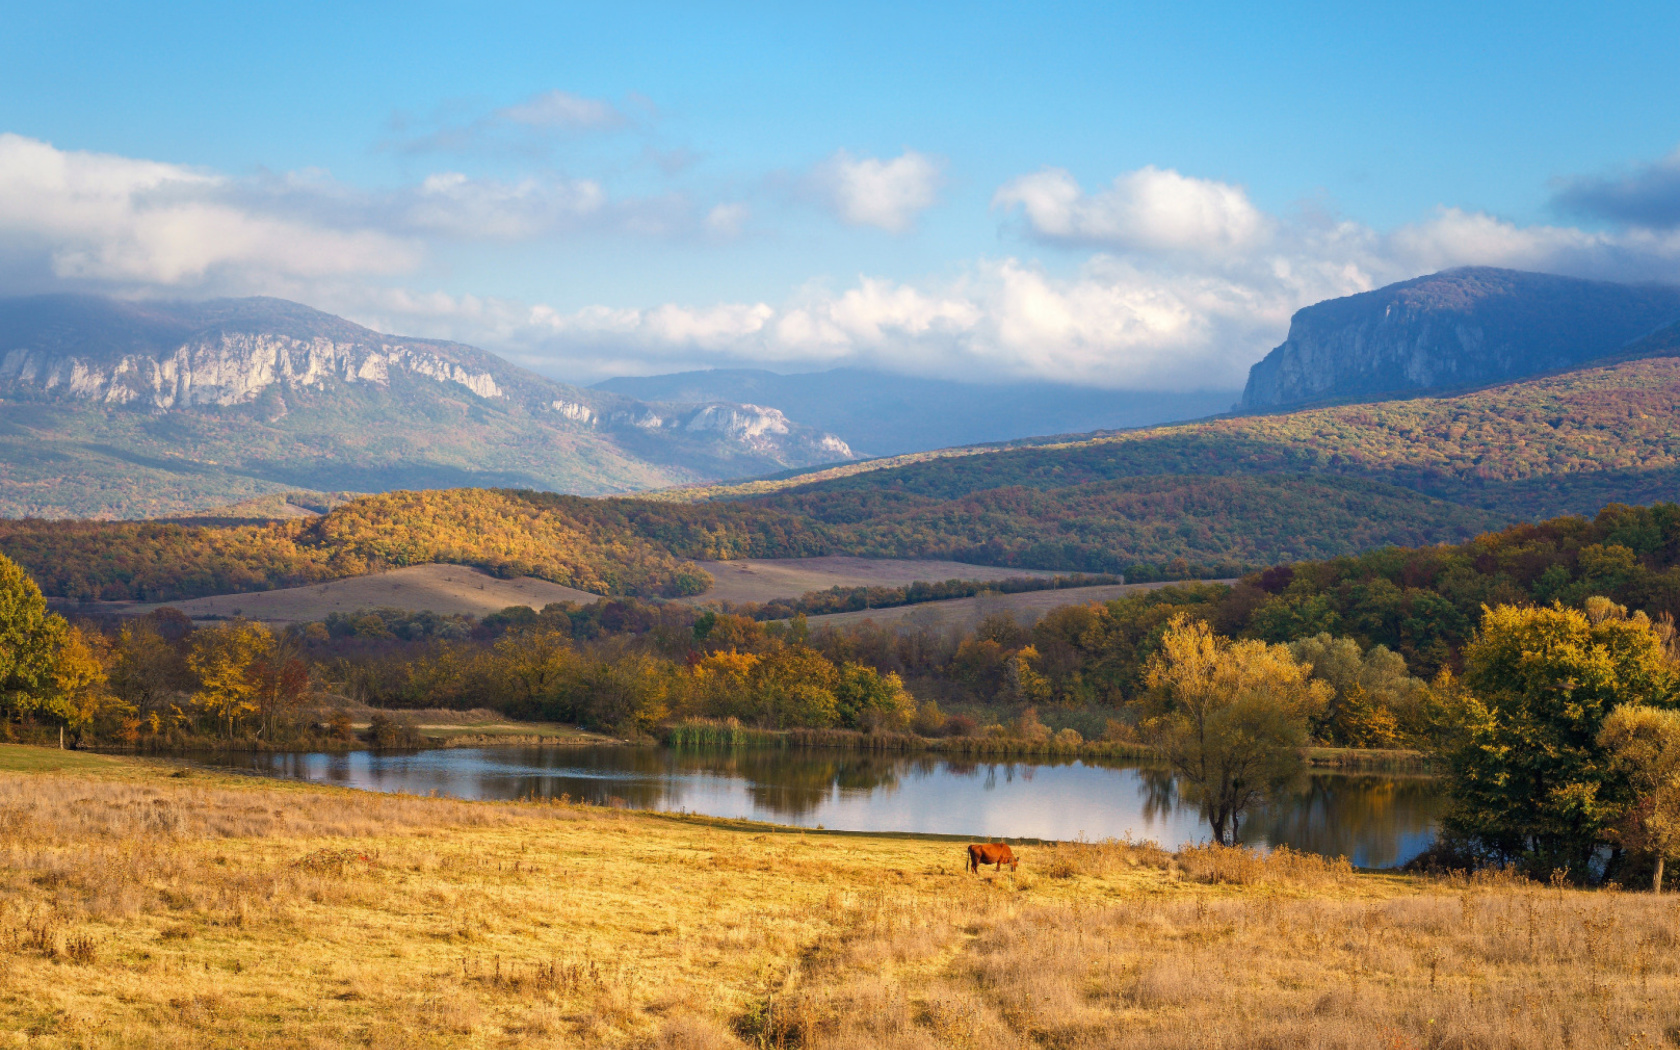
{"x":142,"y":908}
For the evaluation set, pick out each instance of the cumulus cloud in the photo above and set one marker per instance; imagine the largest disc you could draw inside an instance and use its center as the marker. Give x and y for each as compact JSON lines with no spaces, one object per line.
{"x":1183,"y":282}
{"x":1648,"y":197}
{"x":1151,"y":209}
{"x":115,"y":222}
{"x":109,"y":219}
{"x":887,"y":194}
{"x":1194,"y":283}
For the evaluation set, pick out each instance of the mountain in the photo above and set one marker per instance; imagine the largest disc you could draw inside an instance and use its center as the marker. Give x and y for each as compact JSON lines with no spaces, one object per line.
{"x":880,"y":414}
{"x":1458,"y":329}
{"x":1207,"y":498}
{"x":126,"y":409}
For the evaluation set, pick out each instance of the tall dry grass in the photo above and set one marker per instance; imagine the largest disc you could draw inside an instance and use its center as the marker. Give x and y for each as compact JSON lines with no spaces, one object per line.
{"x":144,"y":910}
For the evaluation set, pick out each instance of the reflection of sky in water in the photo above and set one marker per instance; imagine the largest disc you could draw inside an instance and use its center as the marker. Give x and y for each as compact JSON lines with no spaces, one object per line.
{"x":1375,"y":821}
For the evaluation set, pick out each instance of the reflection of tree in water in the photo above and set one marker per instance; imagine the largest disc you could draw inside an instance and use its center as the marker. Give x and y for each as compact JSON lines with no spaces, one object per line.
{"x":1374,"y":821}
{"x":1157,"y":794}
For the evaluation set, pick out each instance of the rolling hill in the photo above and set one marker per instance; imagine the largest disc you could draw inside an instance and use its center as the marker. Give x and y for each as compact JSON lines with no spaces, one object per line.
{"x":1202,"y":499}
{"x":122,"y":409}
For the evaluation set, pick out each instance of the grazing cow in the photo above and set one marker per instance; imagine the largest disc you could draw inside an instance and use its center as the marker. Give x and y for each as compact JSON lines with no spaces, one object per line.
{"x":995,"y":853}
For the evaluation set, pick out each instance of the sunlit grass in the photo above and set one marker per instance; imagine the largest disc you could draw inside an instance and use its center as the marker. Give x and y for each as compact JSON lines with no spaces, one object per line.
{"x":140,"y":907}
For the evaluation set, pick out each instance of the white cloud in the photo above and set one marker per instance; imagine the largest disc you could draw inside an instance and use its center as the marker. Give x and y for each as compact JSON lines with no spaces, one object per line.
{"x":455,"y":205}
{"x":563,"y":110}
{"x":531,"y":125}
{"x":727,"y":220}
{"x":117,"y":223}
{"x":1150,"y":209}
{"x":104,"y":218}
{"x":1191,"y":284}
{"x":887,"y":194}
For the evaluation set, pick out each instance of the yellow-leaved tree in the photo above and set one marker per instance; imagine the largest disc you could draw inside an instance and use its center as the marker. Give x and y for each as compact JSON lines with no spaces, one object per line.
{"x":1229,"y":717}
{"x":1644,"y":745}
{"x":226,"y":660}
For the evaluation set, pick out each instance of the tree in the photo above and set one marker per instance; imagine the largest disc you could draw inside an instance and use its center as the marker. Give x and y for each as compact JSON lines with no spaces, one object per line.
{"x":1373,"y":690}
{"x":30,"y":639}
{"x":1530,"y":780}
{"x":1644,"y":745}
{"x":225,"y":659}
{"x":1229,"y":717}
{"x":871,"y":701}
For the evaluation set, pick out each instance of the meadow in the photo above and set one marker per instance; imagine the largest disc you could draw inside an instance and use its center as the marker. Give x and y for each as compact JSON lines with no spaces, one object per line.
{"x":141,"y":906}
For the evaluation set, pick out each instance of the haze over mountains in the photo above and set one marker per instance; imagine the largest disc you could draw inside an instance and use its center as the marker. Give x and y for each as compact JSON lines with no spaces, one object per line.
{"x":880,"y":414}
{"x":133,"y":409}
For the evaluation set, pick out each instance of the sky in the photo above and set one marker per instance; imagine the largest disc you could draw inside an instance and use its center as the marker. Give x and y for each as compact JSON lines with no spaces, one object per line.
{"x":1117,"y":195}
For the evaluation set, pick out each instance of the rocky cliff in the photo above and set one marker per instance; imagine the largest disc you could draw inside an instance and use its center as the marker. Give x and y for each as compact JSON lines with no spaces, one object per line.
{"x":293,"y":396}
{"x":1460,"y":328}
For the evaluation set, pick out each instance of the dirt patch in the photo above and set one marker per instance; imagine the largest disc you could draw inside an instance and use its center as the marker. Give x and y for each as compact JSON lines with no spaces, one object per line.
{"x":966,"y":613}
{"x":763,"y":579}
{"x":446,"y":589}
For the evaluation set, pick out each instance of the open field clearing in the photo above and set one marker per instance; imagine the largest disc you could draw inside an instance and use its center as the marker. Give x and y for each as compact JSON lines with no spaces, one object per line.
{"x":444,"y":589}
{"x":142,"y":908}
{"x":763,"y":579}
{"x":966,"y":613}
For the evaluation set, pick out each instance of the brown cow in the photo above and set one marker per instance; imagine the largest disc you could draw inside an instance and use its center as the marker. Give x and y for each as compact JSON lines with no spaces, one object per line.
{"x":991,"y":853}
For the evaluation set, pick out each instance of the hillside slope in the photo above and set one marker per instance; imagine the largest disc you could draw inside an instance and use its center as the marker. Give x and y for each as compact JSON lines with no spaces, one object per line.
{"x":1461,"y":328}
{"x":1202,"y":499}
{"x":136,"y":409}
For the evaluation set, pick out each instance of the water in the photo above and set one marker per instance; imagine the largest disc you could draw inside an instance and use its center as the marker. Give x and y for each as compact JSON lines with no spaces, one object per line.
{"x":1374,"y":820}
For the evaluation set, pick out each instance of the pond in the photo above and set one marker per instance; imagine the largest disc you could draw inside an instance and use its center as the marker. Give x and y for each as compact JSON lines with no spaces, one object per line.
{"x":1374,"y":820}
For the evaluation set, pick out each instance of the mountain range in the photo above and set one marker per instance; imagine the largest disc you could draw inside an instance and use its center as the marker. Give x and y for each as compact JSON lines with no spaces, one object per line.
{"x":881,"y":414}
{"x":125,"y":409}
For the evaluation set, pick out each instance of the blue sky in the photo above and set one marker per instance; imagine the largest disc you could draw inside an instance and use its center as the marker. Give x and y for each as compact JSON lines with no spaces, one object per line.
{"x":1121,"y":195}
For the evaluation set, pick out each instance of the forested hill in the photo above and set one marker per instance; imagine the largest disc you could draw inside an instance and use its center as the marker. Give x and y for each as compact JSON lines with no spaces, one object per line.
{"x":1209,"y":498}
{"x":1458,"y":329}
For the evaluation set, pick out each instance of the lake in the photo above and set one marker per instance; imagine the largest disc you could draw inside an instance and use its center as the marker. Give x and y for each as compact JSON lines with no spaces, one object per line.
{"x":1374,"y":820}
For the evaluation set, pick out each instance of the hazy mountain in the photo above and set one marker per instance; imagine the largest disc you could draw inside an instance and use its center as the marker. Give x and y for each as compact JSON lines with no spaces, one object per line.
{"x":1461,"y":328}
{"x":880,"y":414}
{"x":130,"y":409}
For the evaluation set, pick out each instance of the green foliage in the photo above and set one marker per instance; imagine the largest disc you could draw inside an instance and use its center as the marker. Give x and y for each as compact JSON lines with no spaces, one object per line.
{"x":1531,"y":779}
{"x":1644,"y":746}
{"x":30,"y":639}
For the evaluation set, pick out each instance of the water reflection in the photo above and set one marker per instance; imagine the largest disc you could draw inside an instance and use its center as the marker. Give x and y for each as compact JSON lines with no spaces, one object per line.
{"x":1376,"y":821}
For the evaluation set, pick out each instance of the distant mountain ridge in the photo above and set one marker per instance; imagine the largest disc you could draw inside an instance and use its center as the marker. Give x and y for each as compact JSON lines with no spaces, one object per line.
{"x":193,"y":405}
{"x":880,"y":414}
{"x":1456,"y":329}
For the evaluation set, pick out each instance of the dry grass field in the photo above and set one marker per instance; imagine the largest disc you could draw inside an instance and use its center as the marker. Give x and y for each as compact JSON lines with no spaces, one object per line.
{"x":446,"y":589}
{"x":763,"y":579}
{"x":966,"y":613}
{"x":140,"y":907}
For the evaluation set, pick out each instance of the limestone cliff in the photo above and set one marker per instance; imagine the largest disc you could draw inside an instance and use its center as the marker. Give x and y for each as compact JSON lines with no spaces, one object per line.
{"x":1460,"y":328}
{"x":283,"y":394}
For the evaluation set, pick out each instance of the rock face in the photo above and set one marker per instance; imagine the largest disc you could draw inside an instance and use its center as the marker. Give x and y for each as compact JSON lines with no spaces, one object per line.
{"x":1460,"y":328}
{"x":279,"y":384}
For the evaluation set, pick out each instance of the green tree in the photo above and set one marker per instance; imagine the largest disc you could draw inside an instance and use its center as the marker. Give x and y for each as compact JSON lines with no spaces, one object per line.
{"x":1229,"y":717}
{"x":30,"y":640}
{"x":1644,"y":745}
{"x":1530,"y":780}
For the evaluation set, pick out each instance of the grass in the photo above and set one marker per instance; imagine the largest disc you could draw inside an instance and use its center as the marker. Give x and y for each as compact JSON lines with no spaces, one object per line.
{"x":143,"y":908}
